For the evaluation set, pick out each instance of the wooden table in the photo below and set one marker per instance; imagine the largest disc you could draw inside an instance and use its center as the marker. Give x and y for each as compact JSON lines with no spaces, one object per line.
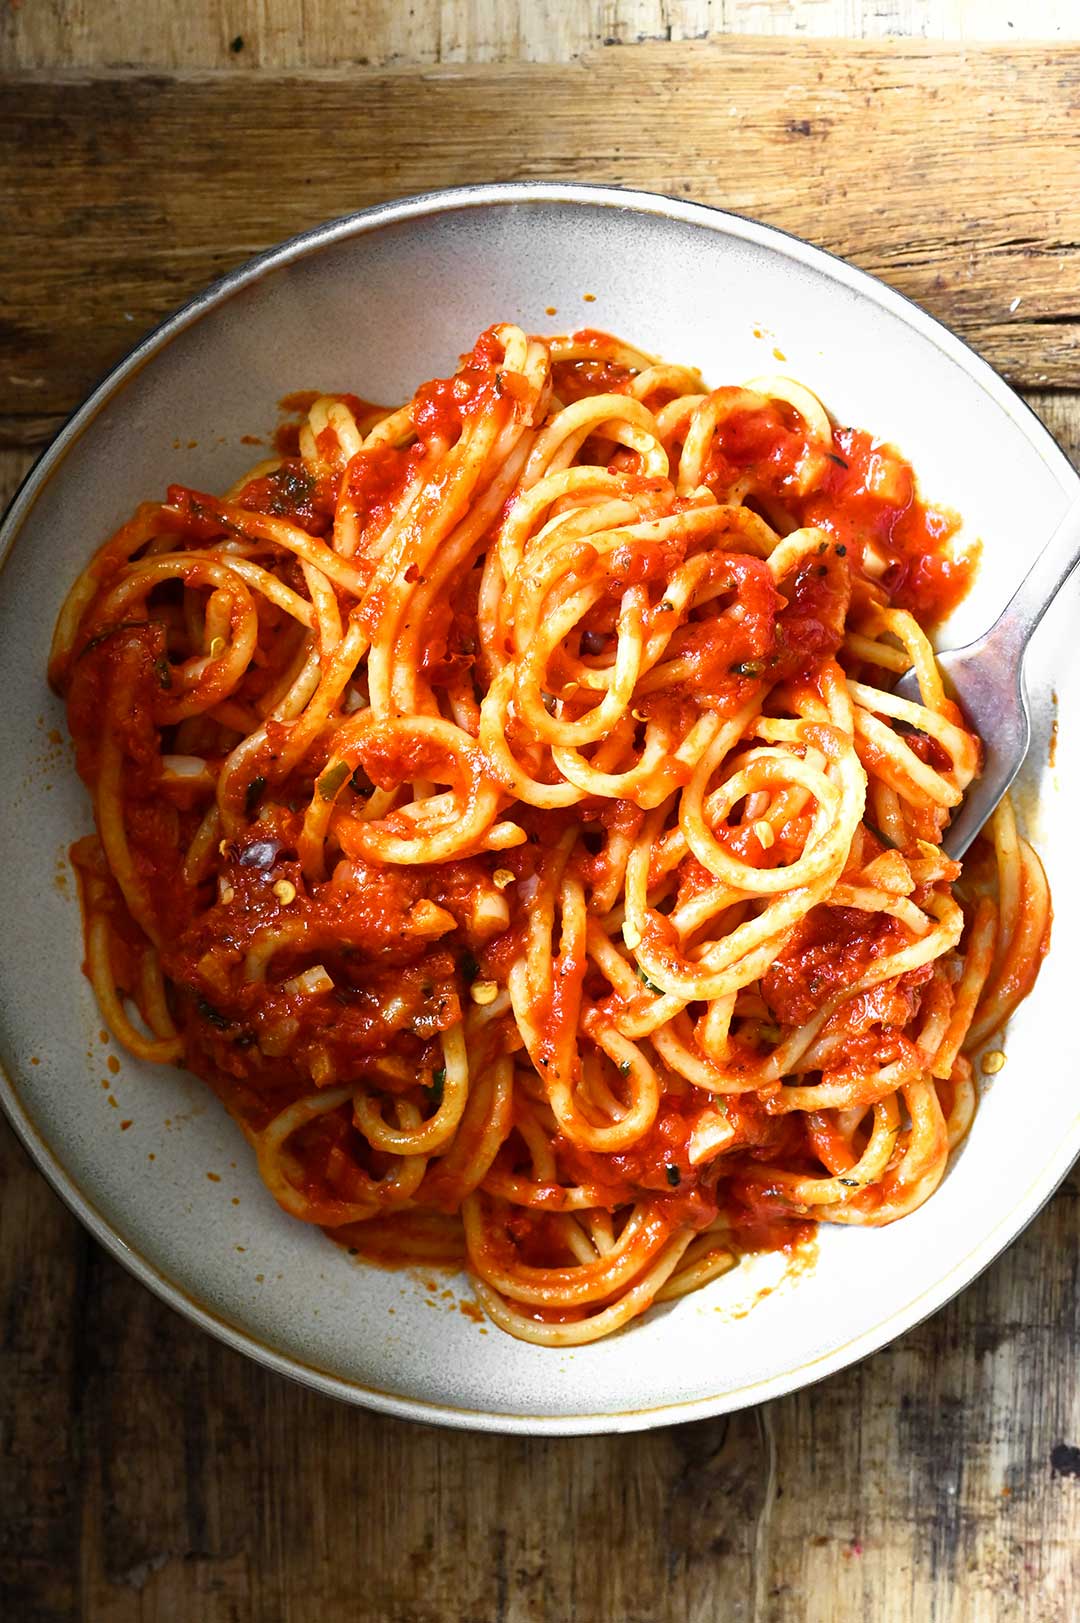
{"x":150,"y":1474}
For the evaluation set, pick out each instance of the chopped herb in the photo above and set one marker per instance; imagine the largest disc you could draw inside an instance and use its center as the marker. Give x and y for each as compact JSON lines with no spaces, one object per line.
{"x":665,"y":607}
{"x":840,"y":463}
{"x":253,"y":795}
{"x":821,"y":570}
{"x":163,"y":671}
{"x":823,"y":547}
{"x":103,"y":636}
{"x":212,"y":1016}
{"x":769,"y":1031}
{"x":651,"y":985}
{"x":850,"y":1183}
{"x":674,"y":1176}
{"x":841,"y":552}
{"x":293,"y":488}
{"x":438,"y":1083}
{"x":469,"y":967}
{"x":624,"y":1067}
{"x":748,"y":667}
{"x":721,"y":1107}
{"x":332,"y":780}
{"x":361,"y":784}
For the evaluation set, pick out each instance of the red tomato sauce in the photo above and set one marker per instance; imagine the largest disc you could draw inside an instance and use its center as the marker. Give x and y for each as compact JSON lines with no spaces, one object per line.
{"x":265,"y":1039}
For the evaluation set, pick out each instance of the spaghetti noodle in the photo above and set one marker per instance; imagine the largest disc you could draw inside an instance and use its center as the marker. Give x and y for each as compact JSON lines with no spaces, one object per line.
{"x":502,"y":804}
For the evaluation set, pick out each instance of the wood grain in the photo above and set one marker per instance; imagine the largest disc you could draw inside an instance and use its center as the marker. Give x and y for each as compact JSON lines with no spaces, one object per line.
{"x":131,"y":192}
{"x":257,"y":34}
{"x":149,"y":1475}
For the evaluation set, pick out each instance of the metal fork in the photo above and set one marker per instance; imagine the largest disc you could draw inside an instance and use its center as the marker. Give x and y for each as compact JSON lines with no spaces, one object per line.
{"x":987,"y":679}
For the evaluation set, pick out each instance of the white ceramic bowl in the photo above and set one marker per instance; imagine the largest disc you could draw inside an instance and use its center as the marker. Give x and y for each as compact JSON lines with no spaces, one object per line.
{"x":375,"y":304}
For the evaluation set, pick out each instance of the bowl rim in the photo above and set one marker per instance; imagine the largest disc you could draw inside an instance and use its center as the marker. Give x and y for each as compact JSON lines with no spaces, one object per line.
{"x":445,"y":201}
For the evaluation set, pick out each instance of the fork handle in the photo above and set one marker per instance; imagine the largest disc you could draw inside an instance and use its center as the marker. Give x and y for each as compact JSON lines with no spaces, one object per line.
{"x":1013,"y":628}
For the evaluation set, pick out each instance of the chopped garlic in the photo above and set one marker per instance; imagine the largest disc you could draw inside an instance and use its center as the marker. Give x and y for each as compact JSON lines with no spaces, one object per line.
{"x":490,"y":913}
{"x":428,"y":918}
{"x":311,"y":982}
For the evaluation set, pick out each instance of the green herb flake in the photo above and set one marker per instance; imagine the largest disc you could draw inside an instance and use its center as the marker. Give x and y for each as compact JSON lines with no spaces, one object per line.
{"x":651,"y":985}
{"x":849,"y":1183}
{"x":624,"y":1067}
{"x":333,"y":779}
{"x":748,"y":667}
{"x":674,"y":1176}
{"x":103,"y":636}
{"x":361,"y":784}
{"x":253,"y":795}
{"x":212,"y":1016}
{"x":163,"y":671}
{"x":434,"y":1091}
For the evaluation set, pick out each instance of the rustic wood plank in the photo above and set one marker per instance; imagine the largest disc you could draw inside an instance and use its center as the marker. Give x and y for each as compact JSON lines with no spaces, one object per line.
{"x":43,"y":1253}
{"x":130,"y":192}
{"x":203,"y":1488}
{"x":322,"y":33}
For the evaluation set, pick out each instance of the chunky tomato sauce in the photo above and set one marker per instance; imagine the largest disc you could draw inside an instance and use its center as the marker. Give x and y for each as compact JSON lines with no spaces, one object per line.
{"x":264,"y":1036}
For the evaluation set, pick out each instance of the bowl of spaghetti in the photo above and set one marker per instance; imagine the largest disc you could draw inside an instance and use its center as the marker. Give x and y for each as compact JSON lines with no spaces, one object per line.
{"x":489,"y":950}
